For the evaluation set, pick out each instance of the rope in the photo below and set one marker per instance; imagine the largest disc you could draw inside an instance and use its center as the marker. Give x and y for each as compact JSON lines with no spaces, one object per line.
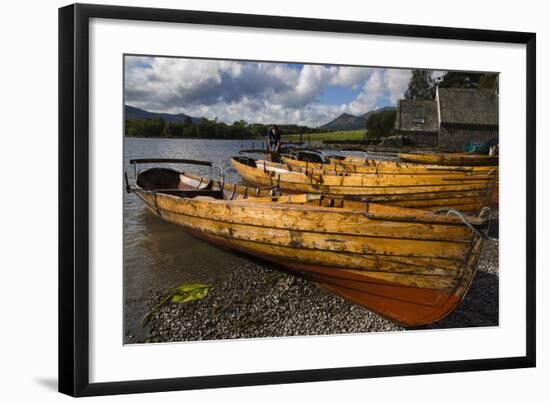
{"x":464,"y":221}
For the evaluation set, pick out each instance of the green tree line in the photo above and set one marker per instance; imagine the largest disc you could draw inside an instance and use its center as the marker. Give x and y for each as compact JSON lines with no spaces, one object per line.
{"x":381,"y":124}
{"x":212,"y":129}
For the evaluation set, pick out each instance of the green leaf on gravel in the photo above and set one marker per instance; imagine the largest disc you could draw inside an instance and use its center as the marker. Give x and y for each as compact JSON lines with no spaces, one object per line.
{"x":190,"y":292}
{"x":181,"y":294}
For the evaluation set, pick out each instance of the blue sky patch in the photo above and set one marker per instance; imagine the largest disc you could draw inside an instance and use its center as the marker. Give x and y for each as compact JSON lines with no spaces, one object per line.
{"x":336,"y":95}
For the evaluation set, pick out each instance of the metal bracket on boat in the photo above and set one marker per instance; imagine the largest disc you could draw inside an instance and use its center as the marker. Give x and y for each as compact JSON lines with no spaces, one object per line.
{"x":271,"y":188}
{"x":128,"y":187}
{"x":222,"y":174}
{"x":366,"y":155}
{"x":232,"y":193}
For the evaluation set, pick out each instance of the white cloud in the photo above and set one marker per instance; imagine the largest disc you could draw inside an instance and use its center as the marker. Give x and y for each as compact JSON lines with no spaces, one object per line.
{"x":382,"y":84}
{"x":255,"y":92}
{"x":373,"y":90}
{"x":396,"y":82}
{"x":352,"y":76}
{"x":311,"y":81}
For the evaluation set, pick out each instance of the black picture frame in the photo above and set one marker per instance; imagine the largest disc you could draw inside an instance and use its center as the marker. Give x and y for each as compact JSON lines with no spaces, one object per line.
{"x":74,"y":198}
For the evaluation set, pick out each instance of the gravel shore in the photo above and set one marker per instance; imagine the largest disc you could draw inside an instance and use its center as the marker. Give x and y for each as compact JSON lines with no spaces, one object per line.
{"x":260,"y":300}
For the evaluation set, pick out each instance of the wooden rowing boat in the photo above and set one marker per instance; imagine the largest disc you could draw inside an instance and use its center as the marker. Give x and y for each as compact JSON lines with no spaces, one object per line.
{"x":354,"y":164}
{"x":359,"y":165}
{"x":451,"y":159}
{"x":465,"y":192}
{"x":408,"y":265}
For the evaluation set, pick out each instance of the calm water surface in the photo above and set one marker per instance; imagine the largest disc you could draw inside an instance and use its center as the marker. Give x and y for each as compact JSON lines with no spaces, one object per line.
{"x":159,"y":255}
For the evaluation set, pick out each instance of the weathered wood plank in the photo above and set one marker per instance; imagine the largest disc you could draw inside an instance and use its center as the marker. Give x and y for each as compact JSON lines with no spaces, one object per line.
{"x":461,"y":159}
{"x":355,"y":244}
{"x":398,"y":186}
{"x":330,"y":222}
{"x":354,"y":165}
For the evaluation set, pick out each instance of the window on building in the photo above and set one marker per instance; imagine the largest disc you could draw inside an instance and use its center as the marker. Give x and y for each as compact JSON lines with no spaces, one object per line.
{"x":419,"y":120}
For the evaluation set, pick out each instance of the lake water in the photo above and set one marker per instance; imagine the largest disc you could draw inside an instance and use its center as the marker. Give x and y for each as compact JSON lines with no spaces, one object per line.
{"x":159,"y":255}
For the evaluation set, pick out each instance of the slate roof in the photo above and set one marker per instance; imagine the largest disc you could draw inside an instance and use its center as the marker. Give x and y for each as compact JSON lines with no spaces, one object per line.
{"x":468,"y":106}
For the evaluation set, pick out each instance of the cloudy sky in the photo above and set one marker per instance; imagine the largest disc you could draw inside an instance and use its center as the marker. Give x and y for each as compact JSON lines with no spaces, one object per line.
{"x":259,"y":92}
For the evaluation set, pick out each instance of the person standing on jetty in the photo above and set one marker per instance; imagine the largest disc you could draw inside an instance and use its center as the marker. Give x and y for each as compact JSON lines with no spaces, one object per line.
{"x":273,"y":139}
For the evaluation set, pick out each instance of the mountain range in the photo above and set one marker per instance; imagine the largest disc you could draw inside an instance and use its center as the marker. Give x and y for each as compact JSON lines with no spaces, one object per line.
{"x":343,"y":122}
{"x":347,"y":121}
{"x":134,"y":113}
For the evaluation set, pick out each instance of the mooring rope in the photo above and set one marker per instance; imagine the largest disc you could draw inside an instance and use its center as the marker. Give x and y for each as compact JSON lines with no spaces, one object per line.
{"x":465,"y":221}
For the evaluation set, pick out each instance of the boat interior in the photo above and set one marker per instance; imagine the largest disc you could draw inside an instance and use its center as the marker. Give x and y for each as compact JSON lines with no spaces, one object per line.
{"x":186,"y":185}
{"x":169,"y":181}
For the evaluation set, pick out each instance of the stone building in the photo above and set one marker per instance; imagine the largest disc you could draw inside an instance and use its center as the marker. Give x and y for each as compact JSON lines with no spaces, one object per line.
{"x":454,"y":118}
{"x":418,"y":120}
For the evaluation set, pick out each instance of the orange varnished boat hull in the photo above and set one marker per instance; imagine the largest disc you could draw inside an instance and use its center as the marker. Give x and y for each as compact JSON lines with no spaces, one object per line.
{"x":356,"y":165}
{"x":406,"y":306}
{"x":464,"y":192}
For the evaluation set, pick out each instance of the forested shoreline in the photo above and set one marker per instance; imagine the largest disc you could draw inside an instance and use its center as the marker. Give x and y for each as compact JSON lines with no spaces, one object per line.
{"x":206,"y":129}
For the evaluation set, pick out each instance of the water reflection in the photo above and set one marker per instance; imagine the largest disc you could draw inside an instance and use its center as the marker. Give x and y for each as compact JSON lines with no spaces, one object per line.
{"x":157,"y":254}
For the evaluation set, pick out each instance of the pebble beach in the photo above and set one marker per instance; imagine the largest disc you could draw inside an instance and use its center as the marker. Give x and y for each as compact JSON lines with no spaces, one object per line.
{"x":261,"y":300}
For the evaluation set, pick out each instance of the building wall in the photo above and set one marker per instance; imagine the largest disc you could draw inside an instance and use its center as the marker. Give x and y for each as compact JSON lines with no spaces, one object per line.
{"x":421,"y":138}
{"x":408,"y":110}
{"x":453,"y":137}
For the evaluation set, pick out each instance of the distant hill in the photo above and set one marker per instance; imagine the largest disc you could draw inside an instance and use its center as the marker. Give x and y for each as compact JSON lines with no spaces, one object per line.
{"x":347,"y":121}
{"x":381,"y":109}
{"x":134,"y":113}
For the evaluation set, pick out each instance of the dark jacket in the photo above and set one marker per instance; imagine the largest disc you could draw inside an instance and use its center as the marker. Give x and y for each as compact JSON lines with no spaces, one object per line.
{"x":273,"y":135}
